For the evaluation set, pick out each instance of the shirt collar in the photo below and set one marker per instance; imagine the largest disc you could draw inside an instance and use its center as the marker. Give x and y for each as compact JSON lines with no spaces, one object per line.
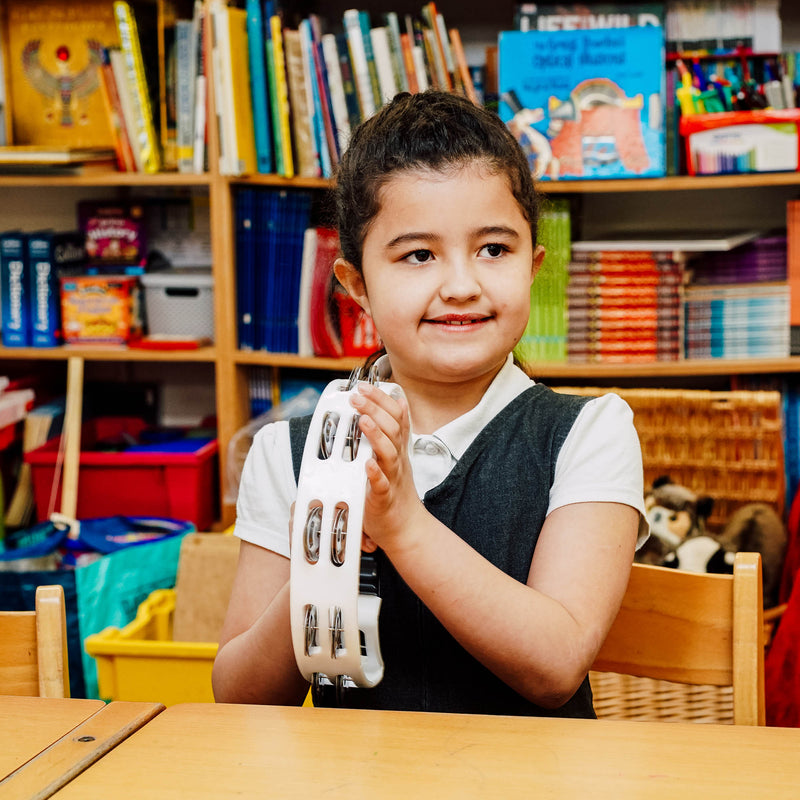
{"x":459,"y":434}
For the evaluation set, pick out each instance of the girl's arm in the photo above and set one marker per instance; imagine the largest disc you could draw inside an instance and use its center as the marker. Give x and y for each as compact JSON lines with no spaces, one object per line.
{"x":255,"y":662}
{"x":541,"y":637}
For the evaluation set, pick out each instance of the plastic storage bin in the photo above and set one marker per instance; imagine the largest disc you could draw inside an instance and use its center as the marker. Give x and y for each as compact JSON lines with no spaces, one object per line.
{"x":141,"y":662}
{"x":178,"y":485}
{"x":179,"y":303}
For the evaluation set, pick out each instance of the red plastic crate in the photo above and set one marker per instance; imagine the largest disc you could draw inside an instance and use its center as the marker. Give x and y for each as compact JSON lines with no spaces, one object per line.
{"x":176,"y":485}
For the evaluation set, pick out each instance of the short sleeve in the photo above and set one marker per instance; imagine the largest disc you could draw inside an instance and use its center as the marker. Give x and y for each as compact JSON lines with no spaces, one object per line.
{"x":267,"y":490}
{"x":601,"y":460}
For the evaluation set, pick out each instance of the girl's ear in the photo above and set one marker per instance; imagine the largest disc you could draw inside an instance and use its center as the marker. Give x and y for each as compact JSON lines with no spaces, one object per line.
{"x":538,"y":257}
{"x":353,"y":281}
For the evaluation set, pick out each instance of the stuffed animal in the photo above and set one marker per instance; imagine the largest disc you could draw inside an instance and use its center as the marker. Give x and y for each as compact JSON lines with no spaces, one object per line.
{"x":675,"y":513}
{"x":678,"y":536}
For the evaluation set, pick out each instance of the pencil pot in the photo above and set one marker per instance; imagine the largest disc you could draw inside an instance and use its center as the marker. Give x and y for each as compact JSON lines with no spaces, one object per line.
{"x":735,"y":142}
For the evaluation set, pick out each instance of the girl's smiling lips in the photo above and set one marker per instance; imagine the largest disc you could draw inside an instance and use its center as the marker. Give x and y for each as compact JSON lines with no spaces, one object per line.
{"x":457,"y":320}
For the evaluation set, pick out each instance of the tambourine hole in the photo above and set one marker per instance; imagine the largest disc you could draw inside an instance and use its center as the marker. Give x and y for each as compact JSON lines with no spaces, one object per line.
{"x":327,"y":435}
{"x":339,"y":534}
{"x":311,"y":533}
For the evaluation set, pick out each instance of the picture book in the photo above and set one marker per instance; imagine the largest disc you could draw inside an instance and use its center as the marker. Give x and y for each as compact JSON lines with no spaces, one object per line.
{"x":586,"y":104}
{"x":54,"y":51}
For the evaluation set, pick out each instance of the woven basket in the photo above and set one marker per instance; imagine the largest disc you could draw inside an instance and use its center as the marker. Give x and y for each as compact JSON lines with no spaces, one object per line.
{"x":728,"y":445}
{"x":644,"y":699}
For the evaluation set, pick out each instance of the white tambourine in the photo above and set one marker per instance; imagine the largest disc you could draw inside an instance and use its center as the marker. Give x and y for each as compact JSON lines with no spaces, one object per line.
{"x":334,"y":624}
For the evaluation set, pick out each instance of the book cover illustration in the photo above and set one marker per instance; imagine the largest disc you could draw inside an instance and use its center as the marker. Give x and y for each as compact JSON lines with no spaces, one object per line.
{"x":54,"y":54}
{"x":586,"y":104}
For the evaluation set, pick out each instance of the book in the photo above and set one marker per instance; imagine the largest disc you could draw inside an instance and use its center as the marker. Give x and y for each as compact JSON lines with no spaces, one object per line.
{"x":259,"y":87}
{"x":185,"y":88}
{"x":244,"y":155}
{"x":465,"y":76}
{"x":362,"y":68}
{"x":383,"y":63}
{"x":200,"y":91}
{"x":322,"y":84}
{"x":580,"y":16}
{"x":244,"y":244}
{"x":145,"y":140}
{"x":119,"y":72}
{"x":53,"y":51}
{"x":53,"y":154}
{"x":50,"y":253}
{"x":392,"y":23}
{"x":316,"y":94}
{"x":351,"y":97}
{"x":166,"y":36}
{"x":282,"y":105}
{"x":14,"y":289}
{"x":122,"y":143}
{"x":586,"y":104}
{"x":341,"y":119}
{"x":301,"y":120}
{"x":317,"y":334}
{"x":679,"y":241}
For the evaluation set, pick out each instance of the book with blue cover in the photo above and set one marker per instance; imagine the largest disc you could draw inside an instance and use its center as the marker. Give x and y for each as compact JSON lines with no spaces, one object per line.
{"x":586,"y":104}
{"x":245,"y":278}
{"x":50,"y":255}
{"x":14,"y":289}
{"x":259,"y":90}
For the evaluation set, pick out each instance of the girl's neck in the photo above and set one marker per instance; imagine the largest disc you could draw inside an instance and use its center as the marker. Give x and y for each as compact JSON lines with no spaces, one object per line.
{"x":433,"y":404}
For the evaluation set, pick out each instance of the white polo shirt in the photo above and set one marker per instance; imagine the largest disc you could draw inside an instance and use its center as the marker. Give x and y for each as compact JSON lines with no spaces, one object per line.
{"x":600,"y":461}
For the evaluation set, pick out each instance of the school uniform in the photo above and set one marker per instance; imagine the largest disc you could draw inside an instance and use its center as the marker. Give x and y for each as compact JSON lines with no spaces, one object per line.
{"x":492,"y":476}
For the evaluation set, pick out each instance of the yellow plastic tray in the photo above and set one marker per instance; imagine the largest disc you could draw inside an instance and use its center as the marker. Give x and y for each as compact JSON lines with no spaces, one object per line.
{"x":141,"y":662}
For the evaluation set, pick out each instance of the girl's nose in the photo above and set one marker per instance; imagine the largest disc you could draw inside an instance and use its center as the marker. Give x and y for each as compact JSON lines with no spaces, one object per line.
{"x":459,"y":281}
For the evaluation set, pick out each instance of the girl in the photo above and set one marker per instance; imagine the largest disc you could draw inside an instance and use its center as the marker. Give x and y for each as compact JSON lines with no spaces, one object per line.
{"x":503,"y":515}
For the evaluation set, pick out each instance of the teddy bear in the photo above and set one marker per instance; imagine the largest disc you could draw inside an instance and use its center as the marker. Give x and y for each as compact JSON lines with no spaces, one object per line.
{"x":679,"y":539}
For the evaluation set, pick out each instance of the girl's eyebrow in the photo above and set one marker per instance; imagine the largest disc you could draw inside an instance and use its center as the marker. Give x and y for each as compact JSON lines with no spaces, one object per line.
{"x":426,"y":236}
{"x":411,"y":236}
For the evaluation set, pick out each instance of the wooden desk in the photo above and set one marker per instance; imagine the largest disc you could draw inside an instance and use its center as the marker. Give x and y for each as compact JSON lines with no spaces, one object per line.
{"x":216,"y":751}
{"x":46,"y":742}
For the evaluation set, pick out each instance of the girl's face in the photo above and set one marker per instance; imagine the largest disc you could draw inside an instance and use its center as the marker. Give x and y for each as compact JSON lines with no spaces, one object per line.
{"x":447,"y":267}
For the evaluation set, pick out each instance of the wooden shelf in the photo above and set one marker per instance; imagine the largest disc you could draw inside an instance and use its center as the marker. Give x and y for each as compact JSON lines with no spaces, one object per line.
{"x":109,"y":178}
{"x":673,"y":183}
{"x":105,"y":353}
{"x":689,"y":367}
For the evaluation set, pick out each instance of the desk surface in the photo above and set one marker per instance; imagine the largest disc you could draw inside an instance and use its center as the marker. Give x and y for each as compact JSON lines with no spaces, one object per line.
{"x":217,"y":751}
{"x":46,"y":742}
{"x":29,"y":725}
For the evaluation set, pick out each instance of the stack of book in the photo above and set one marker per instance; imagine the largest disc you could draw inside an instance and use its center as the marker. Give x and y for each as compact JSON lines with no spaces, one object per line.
{"x":545,"y":337}
{"x":624,"y":305}
{"x":288,"y":96}
{"x":737,"y":305}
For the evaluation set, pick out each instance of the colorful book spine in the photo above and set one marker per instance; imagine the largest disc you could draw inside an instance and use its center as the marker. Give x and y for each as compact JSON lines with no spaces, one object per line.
{"x":351,"y":96}
{"x":14,"y":289}
{"x":49,"y":254}
{"x":341,"y":120}
{"x":358,"y":57}
{"x":282,"y":96}
{"x":383,"y":63}
{"x":398,"y":66}
{"x":122,"y":143}
{"x":120,"y":72}
{"x":259,"y":87}
{"x":302,"y":125}
{"x":244,"y":159}
{"x":146,"y":140}
{"x":185,"y":66}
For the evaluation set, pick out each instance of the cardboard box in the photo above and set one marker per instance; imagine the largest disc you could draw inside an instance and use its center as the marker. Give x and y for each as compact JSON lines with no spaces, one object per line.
{"x":100,"y":309}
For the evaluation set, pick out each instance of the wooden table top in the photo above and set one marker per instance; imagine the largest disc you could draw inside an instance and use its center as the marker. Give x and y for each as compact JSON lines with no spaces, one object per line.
{"x":216,"y":751}
{"x":44,"y":743}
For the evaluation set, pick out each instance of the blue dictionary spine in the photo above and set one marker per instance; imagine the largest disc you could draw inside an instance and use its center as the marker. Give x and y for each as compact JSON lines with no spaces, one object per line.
{"x":14,"y":290}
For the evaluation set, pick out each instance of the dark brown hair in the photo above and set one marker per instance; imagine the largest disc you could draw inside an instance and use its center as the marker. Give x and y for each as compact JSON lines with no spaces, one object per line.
{"x":430,"y":130}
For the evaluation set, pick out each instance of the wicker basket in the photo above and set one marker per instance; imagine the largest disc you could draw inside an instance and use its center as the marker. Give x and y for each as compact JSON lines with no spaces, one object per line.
{"x":644,"y":699}
{"x":728,"y":445}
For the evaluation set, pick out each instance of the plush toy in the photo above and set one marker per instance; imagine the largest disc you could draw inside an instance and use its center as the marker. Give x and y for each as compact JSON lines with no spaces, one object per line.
{"x":678,"y":536}
{"x":675,"y":513}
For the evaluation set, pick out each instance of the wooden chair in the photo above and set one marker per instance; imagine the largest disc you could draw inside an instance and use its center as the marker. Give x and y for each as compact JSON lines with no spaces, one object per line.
{"x":33,"y":647}
{"x":678,"y":639}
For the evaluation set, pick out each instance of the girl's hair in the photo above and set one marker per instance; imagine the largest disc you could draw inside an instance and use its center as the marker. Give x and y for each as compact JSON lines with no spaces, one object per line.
{"x":429,"y":130}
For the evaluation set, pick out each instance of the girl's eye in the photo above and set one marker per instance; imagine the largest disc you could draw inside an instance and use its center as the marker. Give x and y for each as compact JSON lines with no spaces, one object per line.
{"x":493,"y":250}
{"x":419,"y":256}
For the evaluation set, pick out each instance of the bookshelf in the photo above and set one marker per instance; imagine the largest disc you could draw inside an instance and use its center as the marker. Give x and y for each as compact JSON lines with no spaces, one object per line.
{"x":228,"y":368}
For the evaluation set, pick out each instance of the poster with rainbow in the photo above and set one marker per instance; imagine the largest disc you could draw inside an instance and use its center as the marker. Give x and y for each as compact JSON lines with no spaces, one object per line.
{"x":586,"y":104}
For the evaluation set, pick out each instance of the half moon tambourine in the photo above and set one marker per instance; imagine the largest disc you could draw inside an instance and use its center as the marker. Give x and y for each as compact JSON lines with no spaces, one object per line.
{"x":334,"y":602}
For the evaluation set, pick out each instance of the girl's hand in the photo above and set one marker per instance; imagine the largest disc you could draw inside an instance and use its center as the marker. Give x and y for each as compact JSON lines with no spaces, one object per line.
{"x":391,"y":498}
